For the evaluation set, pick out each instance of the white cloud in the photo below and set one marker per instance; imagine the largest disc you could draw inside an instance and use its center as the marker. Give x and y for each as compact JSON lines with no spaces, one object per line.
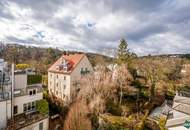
{"x":149,"y":27}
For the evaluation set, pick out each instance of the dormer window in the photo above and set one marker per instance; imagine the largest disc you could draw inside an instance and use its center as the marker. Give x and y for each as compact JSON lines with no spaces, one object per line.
{"x":81,"y":70}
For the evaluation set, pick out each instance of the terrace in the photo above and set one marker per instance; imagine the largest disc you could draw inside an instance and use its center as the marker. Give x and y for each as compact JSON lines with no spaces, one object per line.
{"x":26,"y":119}
{"x":26,"y":91}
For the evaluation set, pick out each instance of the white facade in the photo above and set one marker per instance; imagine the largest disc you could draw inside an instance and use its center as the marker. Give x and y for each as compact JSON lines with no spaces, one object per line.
{"x":41,"y":125}
{"x":21,"y":100}
{"x":61,"y":84}
{"x":23,"y":104}
{"x":5,"y":103}
{"x":5,"y":112}
{"x":20,"y":81}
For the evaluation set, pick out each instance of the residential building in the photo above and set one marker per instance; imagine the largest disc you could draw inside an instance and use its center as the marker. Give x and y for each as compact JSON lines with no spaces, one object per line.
{"x":65,"y":74}
{"x":5,"y":92}
{"x":19,"y":108}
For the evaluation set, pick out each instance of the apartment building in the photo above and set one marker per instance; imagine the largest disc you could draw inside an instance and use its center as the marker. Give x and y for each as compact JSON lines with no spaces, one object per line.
{"x":19,"y":108}
{"x":5,"y":94}
{"x":65,"y":74}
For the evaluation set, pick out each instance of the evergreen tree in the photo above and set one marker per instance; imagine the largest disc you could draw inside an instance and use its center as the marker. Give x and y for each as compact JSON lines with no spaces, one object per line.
{"x":123,"y":53}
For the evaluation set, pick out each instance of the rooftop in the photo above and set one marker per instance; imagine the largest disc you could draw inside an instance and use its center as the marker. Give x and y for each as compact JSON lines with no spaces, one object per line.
{"x":23,"y":120}
{"x":25,"y":91}
{"x":66,"y":63}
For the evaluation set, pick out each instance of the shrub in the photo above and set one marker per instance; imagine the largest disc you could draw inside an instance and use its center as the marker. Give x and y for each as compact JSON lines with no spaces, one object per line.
{"x":42,"y":106}
{"x":115,"y":127}
{"x":22,"y":66}
{"x":113,"y":108}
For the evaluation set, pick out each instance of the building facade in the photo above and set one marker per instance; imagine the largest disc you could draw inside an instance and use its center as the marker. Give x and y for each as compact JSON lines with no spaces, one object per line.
{"x":19,"y":108}
{"x":65,"y":73}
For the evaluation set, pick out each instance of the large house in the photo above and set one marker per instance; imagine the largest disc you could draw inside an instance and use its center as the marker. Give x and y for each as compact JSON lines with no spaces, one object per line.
{"x":19,"y":100}
{"x":65,"y":74}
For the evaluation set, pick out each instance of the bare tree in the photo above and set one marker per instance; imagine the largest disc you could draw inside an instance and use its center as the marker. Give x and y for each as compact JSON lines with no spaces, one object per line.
{"x":97,"y":88}
{"x":77,"y":117}
{"x":122,"y":78}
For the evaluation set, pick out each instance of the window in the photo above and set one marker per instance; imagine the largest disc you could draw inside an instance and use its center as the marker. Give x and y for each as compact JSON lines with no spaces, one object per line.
{"x":64,"y":77}
{"x":86,"y":69}
{"x":56,"y":92}
{"x":57,"y":76}
{"x":15,"y":109}
{"x":41,"y":126}
{"x":30,"y":93}
{"x":34,"y":92}
{"x":64,"y":86}
{"x":57,"y":84}
{"x":33,"y":105}
{"x":81,"y":71}
{"x":25,"y":107}
{"x":29,"y":106}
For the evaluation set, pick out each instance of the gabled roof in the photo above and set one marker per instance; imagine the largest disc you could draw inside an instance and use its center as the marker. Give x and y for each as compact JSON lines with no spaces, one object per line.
{"x":72,"y":61}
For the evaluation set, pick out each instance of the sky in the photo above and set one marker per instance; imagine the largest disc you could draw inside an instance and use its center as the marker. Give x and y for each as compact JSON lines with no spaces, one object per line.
{"x":149,"y":26}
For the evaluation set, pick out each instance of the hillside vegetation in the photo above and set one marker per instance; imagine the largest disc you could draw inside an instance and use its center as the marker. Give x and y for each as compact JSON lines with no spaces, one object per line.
{"x":42,"y":58}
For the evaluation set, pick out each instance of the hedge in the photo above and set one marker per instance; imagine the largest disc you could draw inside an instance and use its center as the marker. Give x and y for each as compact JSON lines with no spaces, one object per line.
{"x":34,"y":79}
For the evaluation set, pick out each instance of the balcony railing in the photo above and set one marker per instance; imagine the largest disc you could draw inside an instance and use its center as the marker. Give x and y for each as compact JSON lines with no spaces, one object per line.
{"x":24,"y":120}
{"x":4,"y":96}
{"x":26,"y":91}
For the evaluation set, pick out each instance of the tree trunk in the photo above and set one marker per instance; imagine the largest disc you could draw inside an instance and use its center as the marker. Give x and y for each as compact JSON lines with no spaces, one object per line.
{"x":121,"y":95}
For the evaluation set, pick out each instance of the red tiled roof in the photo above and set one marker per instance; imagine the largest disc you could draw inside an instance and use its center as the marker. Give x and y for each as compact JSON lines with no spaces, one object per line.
{"x":72,"y":59}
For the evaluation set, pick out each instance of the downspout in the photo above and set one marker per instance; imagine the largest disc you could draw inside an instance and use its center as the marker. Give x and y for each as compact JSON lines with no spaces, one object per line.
{"x":12,"y":93}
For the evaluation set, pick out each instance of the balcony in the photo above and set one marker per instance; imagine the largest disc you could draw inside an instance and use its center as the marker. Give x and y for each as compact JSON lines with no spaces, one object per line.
{"x":4,"y":96}
{"x":34,"y":115}
{"x":26,"y":91}
{"x":24,"y":120}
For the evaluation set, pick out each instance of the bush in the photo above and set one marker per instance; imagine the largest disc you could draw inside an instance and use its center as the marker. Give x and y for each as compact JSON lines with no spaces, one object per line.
{"x":170,"y":94}
{"x":42,"y":106}
{"x":34,"y":79}
{"x":22,"y":66}
{"x":115,"y":127}
{"x":113,"y":108}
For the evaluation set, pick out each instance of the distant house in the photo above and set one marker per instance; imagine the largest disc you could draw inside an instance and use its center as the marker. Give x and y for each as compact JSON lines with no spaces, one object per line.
{"x":65,"y":74}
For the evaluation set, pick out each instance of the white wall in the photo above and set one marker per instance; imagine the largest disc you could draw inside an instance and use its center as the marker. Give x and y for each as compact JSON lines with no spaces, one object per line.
{"x":84,"y":63}
{"x":3,"y":113}
{"x":76,"y":74}
{"x":53,"y":79}
{"x":35,"y":126}
{"x":20,"y":81}
{"x":19,"y":101}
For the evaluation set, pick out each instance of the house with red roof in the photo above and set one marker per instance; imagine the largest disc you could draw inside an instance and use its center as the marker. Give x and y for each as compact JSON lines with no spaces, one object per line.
{"x":65,"y":73}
